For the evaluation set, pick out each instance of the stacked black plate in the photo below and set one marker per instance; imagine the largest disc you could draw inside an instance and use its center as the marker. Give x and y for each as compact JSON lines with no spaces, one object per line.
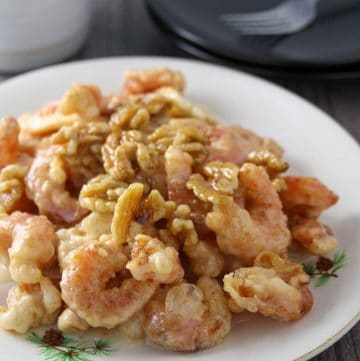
{"x":329,"y":47}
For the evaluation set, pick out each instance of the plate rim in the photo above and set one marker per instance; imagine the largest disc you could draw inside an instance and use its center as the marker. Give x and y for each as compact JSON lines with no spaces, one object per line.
{"x":356,"y":318}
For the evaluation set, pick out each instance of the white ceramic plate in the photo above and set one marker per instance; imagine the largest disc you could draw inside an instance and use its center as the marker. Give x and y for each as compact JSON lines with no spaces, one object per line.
{"x":315,"y":145}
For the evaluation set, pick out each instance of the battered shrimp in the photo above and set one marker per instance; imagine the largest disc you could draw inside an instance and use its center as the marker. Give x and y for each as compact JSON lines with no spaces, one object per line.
{"x":68,"y":321}
{"x":144,"y":81}
{"x":83,"y":100}
{"x":234,"y":144}
{"x":306,"y":196}
{"x":6,"y":228}
{"x":205,"y":259}
{"x":46,"y":186}
{"x":151,"y":260}
{"x":188,"y":317}
{"x":30,"y":306}
{"x":91,"y":228}
{"x":304,"y":200}
{"x":9,"y":144}
{"x":31,"y":244}
{"x":317,"y":238}
{"x":133,"y":329}
{"x":274,"y":287}
{"x":178,"y":166}
{"x":261,"y":226}
{"x":85,"y":290}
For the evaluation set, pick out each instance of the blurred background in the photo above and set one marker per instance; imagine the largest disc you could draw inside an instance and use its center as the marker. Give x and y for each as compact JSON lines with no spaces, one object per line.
{"x":311,"y":47}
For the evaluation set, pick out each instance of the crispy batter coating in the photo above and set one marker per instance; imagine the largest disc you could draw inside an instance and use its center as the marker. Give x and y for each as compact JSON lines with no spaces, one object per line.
{"x":188,"y":317}
{"x":273,"y":286}
{"x":144,"y":81}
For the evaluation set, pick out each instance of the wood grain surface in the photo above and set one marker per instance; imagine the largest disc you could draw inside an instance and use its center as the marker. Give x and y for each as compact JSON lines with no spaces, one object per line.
{"x":124,"y":27}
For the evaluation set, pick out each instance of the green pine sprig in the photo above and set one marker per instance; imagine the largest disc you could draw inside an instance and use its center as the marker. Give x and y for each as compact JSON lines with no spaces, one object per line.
{"x":68,"y":348}
{"x":325,"y":268}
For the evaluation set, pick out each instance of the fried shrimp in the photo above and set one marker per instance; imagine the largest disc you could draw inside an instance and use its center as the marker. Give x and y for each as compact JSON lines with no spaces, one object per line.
{"x":68,"y":321}
{"x":306,"y":196}
{"x":30,"y":306}
{"x":304,"y":200}
{"x":151,"y":260}
{"x":261,"y":226}
{"x":234,"y":144}
{"x":314,"y":236}
{"x":46,"y":186}
{"x":144,"y":81}
{"x":91,"y":228}
{"x":9,"y":143}
{"x":31,"y":244}
{"x":273,"y":286}
{"x":84,"y":286}
{"x":188,"y":317}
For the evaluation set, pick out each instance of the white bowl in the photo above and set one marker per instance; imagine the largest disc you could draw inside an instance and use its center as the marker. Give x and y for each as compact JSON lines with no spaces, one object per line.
{"x":39,"y":32}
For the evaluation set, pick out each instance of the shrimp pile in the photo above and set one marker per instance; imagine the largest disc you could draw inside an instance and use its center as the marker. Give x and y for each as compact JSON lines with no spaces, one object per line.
{"x":138,"y":211}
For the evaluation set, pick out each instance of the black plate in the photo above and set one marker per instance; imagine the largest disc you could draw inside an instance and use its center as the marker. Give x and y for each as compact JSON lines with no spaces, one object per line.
{"x":326,"y":73}
{"x":331,"y":41}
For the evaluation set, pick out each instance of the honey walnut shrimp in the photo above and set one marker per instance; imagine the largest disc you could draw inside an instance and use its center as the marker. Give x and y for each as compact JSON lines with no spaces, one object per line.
{"x":148,"y":209}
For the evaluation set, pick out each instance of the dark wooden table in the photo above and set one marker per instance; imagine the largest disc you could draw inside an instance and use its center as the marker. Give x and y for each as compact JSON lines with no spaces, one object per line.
{"x":124,"y":27}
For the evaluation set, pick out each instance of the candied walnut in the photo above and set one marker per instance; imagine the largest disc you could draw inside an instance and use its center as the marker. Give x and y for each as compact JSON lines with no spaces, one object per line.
{"x":101,"y":193}
{"x":155,"y":206}
{"x":153,"y":102}
{"x":126,"y":208}
{"x":117,"y":162}
{"x":205,"y":192}
{"x":12,"y":188}
{"x":81,"y":150}
{"x":273,"y":165}
{"x":224,"y":176}
{"x":187,"y":138}
{"x":129,"y":116}
{"x":144,"y":81}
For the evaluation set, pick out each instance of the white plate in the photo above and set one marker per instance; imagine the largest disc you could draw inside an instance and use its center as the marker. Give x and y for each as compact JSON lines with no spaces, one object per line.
{"x":315,"y":145}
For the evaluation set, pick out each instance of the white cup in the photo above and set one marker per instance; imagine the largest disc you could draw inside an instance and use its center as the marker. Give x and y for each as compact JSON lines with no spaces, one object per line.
{"x":39,"y":32}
